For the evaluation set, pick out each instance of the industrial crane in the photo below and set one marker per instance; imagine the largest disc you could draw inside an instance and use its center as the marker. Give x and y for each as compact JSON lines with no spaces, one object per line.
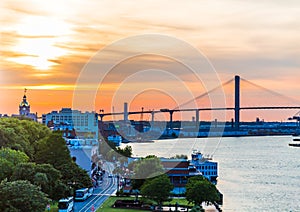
{"x":143,"y":125}
{"x":142,"y":115}
{"x":140,"y":126}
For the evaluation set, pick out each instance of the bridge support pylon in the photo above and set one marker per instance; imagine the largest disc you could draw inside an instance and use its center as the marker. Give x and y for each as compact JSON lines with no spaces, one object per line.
{"x":125,"y":111}
{"x":197,"y":121}
{"x":237,"y":102}
{"x":171,"y":120}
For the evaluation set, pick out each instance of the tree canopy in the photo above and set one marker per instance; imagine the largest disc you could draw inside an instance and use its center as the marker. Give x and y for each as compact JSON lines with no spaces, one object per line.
{"x":111,"y":152}
{"x":74,"y":176}
{"x":126,"y":151}
{"x":30,"y":151}
{"x":157,"y":189}
{"x":182,"y":156}
{"x":21,"y":134}
{"x":6,"y":169}
{"x":148,"y":167}
{"x":53,"y":150}
{"x":21,"y":196}
{"x":8,"y":160}
{"x":199,"y":189}
{"x":145,"y":168}
{"x":45,"y":176}
{"x":13,"y":156}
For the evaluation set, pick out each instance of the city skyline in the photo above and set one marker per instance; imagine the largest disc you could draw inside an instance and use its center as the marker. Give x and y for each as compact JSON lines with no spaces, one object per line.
{"x":45,"y":45}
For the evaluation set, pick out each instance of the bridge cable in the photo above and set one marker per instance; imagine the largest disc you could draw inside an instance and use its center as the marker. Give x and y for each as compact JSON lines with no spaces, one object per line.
{"x":272,"y":92}
{"x":204,"y":94}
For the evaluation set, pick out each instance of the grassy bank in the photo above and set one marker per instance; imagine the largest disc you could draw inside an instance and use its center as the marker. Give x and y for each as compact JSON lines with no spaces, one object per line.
{"x":106,"y":207}
{"x":53,"y":208}
{"x":180,"y":201}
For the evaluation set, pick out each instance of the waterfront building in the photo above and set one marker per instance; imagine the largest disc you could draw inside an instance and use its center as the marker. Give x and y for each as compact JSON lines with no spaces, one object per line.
{"x":179,"y":170}
{"x":208,"y":168}
{"x":85,"y":124}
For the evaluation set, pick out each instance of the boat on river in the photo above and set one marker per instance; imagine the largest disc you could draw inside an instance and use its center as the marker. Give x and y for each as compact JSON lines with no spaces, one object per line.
{"x":295,"y":142}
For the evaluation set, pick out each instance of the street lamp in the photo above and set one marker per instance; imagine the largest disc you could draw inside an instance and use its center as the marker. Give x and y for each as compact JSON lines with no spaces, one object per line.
{"x":118,"y":182}
{"x":72,"y":187}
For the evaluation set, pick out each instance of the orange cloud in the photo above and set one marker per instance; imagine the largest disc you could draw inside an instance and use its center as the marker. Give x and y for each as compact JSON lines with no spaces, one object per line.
{"x":46,"y":44}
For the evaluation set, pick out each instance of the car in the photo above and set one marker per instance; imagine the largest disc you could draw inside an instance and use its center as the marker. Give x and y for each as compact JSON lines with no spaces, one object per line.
{"x":110,"y":176}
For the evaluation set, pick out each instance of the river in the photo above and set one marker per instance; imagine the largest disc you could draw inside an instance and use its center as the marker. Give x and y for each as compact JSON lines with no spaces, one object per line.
{"x":255,"y":173}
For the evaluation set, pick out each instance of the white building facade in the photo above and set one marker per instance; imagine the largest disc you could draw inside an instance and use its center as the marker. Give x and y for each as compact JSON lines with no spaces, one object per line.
{"x":85,"y":124}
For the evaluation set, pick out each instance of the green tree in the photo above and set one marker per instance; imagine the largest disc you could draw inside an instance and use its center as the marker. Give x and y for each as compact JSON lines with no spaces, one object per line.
{"x":126,"y":151}
{"x":6,"y":169}
{"x":118,"y":154}
{"x":36,"y":143}
{"x":34,"y":131}
{"x":8,"y":160}
{"x":21,"y":134}
{"x":14,"y":136}
{"x":199,"y":189}
{"x":53,"y":179}
{"x":21,"y":196}
{"x":44,"y":175}
{"x":180,"y":157}
{"x":197,"y":208}
{"x":157,"y":189}
{"x":75,"y":176}
{"x":55,"y":187}
{"x":41,"y":180}
{"x":13,"y":156}
{"x":24,"y":171}
{"x":53,"y":150}
{"x":145,"y":168}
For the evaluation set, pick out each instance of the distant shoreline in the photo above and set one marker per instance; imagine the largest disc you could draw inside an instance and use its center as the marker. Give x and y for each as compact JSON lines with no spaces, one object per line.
{"x":227,"y":136}
{"x":216,"y":136}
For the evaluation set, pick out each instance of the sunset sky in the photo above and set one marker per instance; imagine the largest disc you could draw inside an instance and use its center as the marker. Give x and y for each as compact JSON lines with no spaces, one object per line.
{"x":45,"y":45}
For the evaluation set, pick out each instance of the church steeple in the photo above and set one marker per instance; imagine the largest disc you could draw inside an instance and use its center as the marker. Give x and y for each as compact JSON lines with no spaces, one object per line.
{"x":24,"y":107}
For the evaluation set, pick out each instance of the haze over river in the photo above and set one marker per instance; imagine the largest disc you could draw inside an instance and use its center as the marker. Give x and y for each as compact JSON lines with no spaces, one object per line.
{"x":255,"y":173}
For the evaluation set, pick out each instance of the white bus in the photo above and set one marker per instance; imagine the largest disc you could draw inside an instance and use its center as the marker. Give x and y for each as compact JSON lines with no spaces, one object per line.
{"x":83,"y":193}
{"x":66,"y":205}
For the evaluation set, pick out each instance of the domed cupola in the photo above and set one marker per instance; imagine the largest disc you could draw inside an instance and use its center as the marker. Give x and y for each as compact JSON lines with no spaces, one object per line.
{"x":24,"y":107}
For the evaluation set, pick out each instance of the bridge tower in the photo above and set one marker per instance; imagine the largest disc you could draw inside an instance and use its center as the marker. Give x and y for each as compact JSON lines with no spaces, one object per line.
{"x":125,"y":111}
{"x":197,"y":119}
{"x":237,"y":102}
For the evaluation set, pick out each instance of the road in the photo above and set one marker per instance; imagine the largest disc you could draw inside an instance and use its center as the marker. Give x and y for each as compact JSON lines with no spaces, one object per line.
{"x":108,"y":187}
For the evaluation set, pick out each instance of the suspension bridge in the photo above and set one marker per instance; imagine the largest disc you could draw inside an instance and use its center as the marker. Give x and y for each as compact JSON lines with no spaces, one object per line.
{"x":237,"y":108}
